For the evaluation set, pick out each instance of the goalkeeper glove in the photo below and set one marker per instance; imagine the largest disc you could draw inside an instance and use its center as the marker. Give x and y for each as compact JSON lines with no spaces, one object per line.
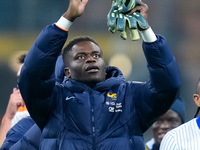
{"x":127,"y":5}
{"x":121,"y":22}
{"x":124,"y":6}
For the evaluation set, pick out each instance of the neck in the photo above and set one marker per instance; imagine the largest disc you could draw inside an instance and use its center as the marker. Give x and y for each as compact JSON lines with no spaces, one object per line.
{"x":90,"y":84}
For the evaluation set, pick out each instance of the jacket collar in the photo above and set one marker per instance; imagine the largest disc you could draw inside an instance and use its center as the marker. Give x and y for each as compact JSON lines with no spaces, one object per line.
{"x":114,"y":77}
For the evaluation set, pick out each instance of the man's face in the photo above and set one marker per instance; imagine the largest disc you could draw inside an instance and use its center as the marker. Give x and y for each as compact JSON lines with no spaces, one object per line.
{"x":85,"y":63}
{"x":168,"y":121}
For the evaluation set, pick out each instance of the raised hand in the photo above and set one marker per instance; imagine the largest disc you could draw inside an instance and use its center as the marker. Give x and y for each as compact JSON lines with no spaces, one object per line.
{"x":14,"y":103}
{"x":127,"y":5}
{"x":122,"y":22}
{"x":75,"y":9}
{"x":121,"y":18}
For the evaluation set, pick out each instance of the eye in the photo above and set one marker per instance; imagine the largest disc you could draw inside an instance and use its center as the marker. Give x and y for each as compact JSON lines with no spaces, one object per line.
{"x":159,"y":121}
{"x":173,"y":121}
{"x":81,"y":57}
{"x":95,"y":56}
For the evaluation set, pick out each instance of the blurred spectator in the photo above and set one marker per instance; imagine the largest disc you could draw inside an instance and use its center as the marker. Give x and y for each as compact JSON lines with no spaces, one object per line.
{"x":186,"y":136}
{"x":16,"y":109}
{"x":25,"y":134}
{"x":174,"y":117}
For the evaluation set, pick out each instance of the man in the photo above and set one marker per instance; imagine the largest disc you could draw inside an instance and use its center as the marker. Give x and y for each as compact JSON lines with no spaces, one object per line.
{"x":94,"y":108}
{"x":25,"y":134}
{"x":174,"y":117}
{"x":186,"y":136}
{"x":16,"y":109}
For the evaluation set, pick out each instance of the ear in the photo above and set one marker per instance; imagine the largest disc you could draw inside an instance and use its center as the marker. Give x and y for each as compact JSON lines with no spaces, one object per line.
{"x":67,"y":72}
{"x":196,"y":99}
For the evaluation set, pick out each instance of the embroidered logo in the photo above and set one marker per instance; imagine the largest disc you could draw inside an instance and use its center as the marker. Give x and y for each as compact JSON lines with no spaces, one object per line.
{"x":113,"y":96}
{"x":111,"y":109}
{"x":68,"y":98}
{"x":112,"y":103}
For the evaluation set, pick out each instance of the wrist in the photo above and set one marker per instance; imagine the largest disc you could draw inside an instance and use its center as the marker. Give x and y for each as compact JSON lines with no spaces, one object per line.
{"x":9,"y":115}
{"x":6,"y":119}
{"x":148,"y":35}
{"x":63,"y":23}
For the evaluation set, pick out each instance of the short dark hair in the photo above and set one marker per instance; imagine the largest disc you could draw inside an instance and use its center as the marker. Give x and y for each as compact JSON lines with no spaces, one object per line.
{"x":198,"y":87}
{"x":21,"y":58}
{"x":197,"y":92}
{"x":74,"y":42}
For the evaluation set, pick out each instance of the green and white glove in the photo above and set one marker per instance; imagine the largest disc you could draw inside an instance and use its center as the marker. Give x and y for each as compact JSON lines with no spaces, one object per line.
{"x":124,"y":6}
{"x":127,"y":5}
{"x":121,"y":22}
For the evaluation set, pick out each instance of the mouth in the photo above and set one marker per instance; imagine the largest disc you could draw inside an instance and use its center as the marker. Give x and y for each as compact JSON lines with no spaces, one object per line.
{"x":92,"y":69}
{"x":161,"y":135}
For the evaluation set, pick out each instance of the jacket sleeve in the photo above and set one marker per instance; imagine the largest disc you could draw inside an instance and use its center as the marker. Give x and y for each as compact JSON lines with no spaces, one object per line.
{"x":17,"y":132}
{"x":30,"y":140}
{"x":37,"y":79}
{"x":162,"y":88}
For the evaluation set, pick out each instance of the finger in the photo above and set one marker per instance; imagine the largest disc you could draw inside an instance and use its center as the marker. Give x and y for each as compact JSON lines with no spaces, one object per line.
{"x":84,"y":2}
{"x":131,"y":22}
{"x":123,"y":35}
{"x":19,"y":100}
{"x":16,"y":98}
{"x":143,"y":9}
{"x":138,"y":8}
{"x":14,"y":89}
{"x":17,"y":92}
{"x":112,"y":30}
{"x":112,"y":18}
{"x":143,"y":4}
{"x":121,"y":22}
{"x":134,"y":35}
{"x":142,"y":24}
{"x":112,"y":22}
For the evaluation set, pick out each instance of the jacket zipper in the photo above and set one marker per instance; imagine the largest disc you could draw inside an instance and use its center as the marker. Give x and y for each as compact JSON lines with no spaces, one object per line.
{"x":93,"y":129}
{"x":131,"y":141}
{"x":93,"y":122}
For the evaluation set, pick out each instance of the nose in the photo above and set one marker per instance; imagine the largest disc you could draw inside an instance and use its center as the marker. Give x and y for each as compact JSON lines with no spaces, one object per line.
{"x":90,"y":59}
{"x":165,"y":124}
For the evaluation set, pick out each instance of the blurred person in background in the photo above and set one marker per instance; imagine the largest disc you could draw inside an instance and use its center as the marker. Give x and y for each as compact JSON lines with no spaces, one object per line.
{"x":174,"y":117}
{"x":16,"y":108}
{"x":25,"y":134}
{"x":187,"y":135}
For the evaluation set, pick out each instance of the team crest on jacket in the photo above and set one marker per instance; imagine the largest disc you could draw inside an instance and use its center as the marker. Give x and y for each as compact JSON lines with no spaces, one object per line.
{"x":112,"y":95}
{"x":113,"y":105}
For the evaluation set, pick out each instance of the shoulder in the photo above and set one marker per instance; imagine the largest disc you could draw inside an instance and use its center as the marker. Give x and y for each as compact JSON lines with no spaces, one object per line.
{"x":179,"y":131}
{"x":190,"y":125}
{"x":179,"y":135}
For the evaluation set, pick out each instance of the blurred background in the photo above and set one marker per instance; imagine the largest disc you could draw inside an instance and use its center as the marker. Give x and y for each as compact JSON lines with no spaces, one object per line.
{"x":179,"y":21}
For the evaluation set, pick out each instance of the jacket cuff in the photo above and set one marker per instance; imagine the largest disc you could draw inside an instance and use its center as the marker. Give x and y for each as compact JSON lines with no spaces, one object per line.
{"x":63,"y":23}
{"x":148,"y":35}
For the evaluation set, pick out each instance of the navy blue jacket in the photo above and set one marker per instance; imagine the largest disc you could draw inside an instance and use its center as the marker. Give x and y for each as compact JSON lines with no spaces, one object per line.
{"x":113,"y":115}
{"x":24,"y":135}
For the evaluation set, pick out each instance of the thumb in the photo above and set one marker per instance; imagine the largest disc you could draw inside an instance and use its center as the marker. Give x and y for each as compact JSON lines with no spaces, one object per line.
{"x":14,"y":89}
